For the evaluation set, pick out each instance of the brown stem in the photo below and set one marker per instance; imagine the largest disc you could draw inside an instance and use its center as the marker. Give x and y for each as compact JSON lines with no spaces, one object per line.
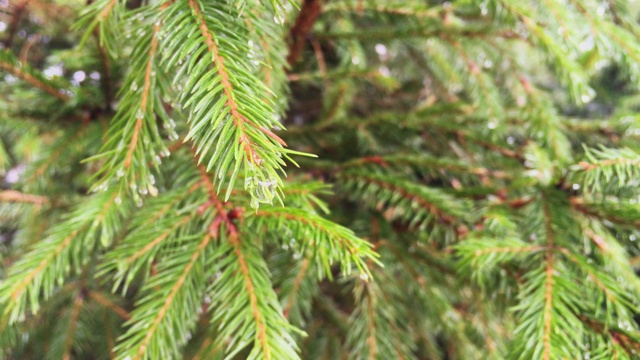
{"x":309,"y":13}
{"x":15,"y":21}
{"x":21,"y":74}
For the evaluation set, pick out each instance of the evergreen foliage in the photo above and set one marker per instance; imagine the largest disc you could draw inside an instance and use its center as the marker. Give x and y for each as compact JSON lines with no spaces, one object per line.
{"x":474,"y":194}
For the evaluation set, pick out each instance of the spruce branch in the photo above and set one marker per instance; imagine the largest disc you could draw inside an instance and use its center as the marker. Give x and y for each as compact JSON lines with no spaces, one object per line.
{"x":134,"y":140}
{"x":10,"y":63}
{"x":18,"y":11}
{"x":49,"y":163}
{"x":156,"y":227}
{"x":252,"y":316}
{"x":485,"y":93}
{"x":161,"y":321}
{"x":606,"y":167}
{"x":548,"y":299}
{"x":325,"y":240}
{"x":103,"y":16}
{"x":373,"y":328}
{"x":415,"y":204}
{"x":16,"y":196}
{"x":309,"y":13}
{"x":610,"y":36}
{"x":481,"y":255}
{"x":228,"y":112}
{"x":37,"y":273}
{"x":449,"y":129}
{"x":103,"y":300}
{"x":569,"y":71}
{"x":291,"y":297}
{"x":71,"y":327}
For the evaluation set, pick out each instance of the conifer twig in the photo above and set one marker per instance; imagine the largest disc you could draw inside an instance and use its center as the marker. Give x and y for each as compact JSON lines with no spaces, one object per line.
{"x":115,"y":308}
{"x":296,"y":286}
{"x":311,"y":10}
{"x":15,"y":22}
{"x":23,"y":74}
{"x":141,"y":351}
{"x":549,"y":282}
{"x":238,"y":119}
{"x":73,"y":324}
{"x":16,"y":196}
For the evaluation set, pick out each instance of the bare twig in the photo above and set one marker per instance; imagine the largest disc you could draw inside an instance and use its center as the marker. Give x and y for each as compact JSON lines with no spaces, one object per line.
{"x":309,"y":13}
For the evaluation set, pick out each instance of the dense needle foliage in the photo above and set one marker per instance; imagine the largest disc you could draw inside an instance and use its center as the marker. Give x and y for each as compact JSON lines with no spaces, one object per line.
{"x":457,"y":180}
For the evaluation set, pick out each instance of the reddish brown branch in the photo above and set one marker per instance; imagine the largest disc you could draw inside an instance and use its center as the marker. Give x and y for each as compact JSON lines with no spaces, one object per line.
{"x":115,"y":308}
{"x":238,"y":118}
{"x":18,"y":197}
{"x":73,"y":324}
{"x":21,"y":74}
{"x":309,"y":13}
{"x":14,"y":23}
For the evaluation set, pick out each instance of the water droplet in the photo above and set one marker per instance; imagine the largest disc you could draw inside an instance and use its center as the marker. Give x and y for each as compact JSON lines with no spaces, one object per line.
{"x":254,"y":203}
{"x":139,"y":114}
{"x":588,"y":95}
{"x":120,"y":173}
{"x":118,"y":200}
{"x":134,"y":86}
